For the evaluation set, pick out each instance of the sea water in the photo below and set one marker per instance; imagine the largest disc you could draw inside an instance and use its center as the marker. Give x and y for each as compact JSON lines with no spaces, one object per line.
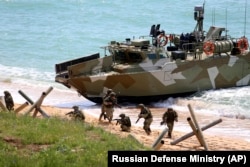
{"x":37,"y":34}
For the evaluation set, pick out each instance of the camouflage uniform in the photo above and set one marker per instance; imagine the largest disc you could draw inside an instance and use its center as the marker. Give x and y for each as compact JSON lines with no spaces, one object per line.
{"x":8,"y":100}
{"x":77,"y":114}
{"x":102,"y":109}
{"x":146,"y":114}
{"x":109,"y":103}
{"x":125,"y":123}
{"x":168,"y":118}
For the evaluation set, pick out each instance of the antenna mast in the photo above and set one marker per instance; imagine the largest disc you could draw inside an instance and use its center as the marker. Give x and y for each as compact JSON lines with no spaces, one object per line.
{"x":199,"y":17}
{"x":245,"y":19}
{"x":213,"y":17}
{"x":226,"y":23}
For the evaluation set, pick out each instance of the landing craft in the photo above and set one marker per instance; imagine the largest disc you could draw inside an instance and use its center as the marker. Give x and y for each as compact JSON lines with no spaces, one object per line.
{"x":160,"y":65}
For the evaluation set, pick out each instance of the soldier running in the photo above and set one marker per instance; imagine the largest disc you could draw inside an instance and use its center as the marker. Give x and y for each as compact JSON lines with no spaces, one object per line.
{"x":168,"y":118}
{"x":8,"y":101}
{"x":148,"y":118}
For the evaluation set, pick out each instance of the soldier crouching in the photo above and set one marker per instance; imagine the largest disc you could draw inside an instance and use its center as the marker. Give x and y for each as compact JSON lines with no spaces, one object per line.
{"x":77,"y":114}
{"x":8,"y":100}
{"x":125,"y":122}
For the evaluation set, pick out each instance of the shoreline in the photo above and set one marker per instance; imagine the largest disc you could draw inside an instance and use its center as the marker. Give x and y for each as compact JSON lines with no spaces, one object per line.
{"x":214,"y":142}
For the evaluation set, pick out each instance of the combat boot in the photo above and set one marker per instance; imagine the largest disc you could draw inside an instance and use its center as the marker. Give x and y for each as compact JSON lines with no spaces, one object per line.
{"x":169,"y":135}
{"x":105,"y":116}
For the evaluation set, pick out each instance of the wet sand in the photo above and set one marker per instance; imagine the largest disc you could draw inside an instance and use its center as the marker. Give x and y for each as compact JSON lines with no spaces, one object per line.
{"x":213,"y":142}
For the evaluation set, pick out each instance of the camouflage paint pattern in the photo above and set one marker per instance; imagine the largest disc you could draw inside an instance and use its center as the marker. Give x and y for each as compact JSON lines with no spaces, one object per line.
{"x":158,"y":76}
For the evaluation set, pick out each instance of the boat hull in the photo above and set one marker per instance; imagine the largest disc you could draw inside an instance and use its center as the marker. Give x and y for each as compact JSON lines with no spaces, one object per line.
{"x":171,"y":79}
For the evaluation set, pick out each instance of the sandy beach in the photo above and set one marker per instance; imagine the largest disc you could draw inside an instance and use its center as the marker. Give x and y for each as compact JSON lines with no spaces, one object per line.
{"x":213,"y":142}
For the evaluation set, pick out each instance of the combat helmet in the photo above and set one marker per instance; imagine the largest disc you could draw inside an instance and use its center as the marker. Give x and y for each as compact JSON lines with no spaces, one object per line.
{"x":170,"y":109}
{"x":6,"y":92}
{"x":75,"y":107}
{"x":112,"y":94}
{"x":122,"y":115}
{"x":141,"y":105}
{"x":109,"y":91}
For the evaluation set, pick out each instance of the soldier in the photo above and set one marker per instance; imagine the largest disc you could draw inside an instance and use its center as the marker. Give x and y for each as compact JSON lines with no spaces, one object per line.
{"x":8,"y":100}
{"x":102,"y":109}
{"x":168,"y":118}
{"x":125,"y":122}
{"x":108,"y":105}
{"x":77,"y":114}
{"x":148,"y":118}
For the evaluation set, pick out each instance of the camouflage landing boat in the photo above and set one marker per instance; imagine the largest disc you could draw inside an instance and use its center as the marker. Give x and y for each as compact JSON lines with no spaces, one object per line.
{"x":160,"y":65}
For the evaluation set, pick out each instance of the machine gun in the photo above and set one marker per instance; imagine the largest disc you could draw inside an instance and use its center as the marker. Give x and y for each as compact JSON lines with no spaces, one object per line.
{"x":118,"y":121}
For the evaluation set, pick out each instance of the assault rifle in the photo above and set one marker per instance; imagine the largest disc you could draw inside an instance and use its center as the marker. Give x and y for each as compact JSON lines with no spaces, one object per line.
{"x":118,"y":121}
{"x":137,"y":120}
{"x":163,"y":123}
{"x":76,"y":115}
{"x":115,"y":103}
{"x":71,"y":113}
